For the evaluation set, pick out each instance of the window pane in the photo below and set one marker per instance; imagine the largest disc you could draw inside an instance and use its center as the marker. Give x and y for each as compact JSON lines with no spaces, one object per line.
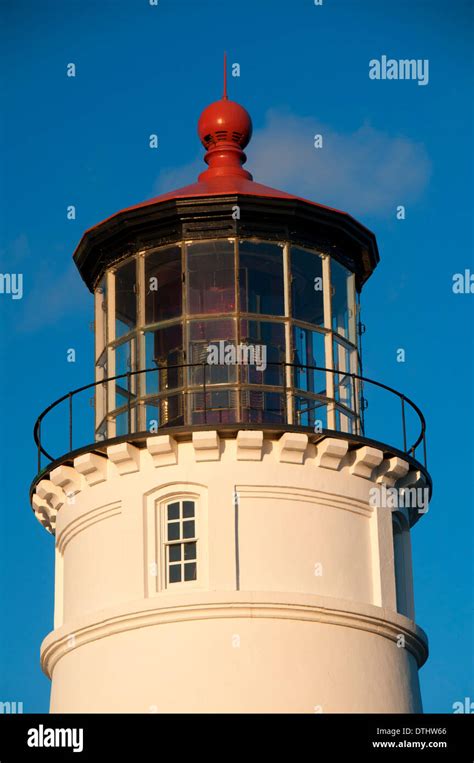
{"x":173,"y":511}
{"x":219,"y":334}
{"x":175,"y":573}
{"x":163,"y":285}
{"x":123,"y":360}
{"x":190,"y":571}
{"x":166,"y":412}
{"x":307,"y":286}
{"x":121,"y":424}
{"x":189,"y":551}
{"x":210,"y":278}
{"x":125,"y":299}
{"x":123,"y":364}
{"x":343,"y":301}
{"x":188,"y":529}
{"x":344,"y":423}
{"x":261,"y":278}
{"x":215,"y":407}
{"x":308,"y":350}
{"x":343,"y":384}
{"x":310,"y":413}
{"x":164,"y":348}
{"x":268,"y":343}
{"x":175,"y":552}
{"x":173,"y":531}
{"x":262,"y":407}
{"x":188,"y":508}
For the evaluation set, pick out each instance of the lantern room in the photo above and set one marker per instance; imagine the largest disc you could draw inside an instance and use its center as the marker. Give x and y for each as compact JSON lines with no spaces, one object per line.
{"x":162,"y":310}
{"x":232,"y":270}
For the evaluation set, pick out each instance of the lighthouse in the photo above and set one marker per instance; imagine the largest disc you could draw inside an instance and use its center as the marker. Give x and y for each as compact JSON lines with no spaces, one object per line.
{"x":231,"y":499}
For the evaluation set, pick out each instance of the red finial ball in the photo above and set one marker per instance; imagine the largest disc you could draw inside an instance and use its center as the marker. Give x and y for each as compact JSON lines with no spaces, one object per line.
{"x":224,"y":122}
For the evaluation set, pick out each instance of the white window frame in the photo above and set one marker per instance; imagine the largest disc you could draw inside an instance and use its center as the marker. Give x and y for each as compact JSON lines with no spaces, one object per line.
{"x":181,"y":541}
{"x":156,"y":538}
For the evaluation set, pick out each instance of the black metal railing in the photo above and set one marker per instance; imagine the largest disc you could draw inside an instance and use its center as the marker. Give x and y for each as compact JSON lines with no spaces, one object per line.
{"x":342,"y":412}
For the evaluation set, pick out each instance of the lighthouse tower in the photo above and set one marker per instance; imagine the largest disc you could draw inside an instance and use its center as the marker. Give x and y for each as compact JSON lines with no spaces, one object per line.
{"x":230,"y":499}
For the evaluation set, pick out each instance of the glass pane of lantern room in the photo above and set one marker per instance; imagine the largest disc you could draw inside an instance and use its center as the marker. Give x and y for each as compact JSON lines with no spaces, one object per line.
{"x":164,"y":349}
{"x":125,"y":299}
{"x":163,"y":285}
{"x":210,"y":277}
{"x":261,"y":278}
{"x":344,"y":361}
{"x":343,"y":301}
{"x":208,"y":343}
{"x":123,"y":364}
{"x":307,"y":286}
{"x":309,"y":350}
{"x":264,"y":347}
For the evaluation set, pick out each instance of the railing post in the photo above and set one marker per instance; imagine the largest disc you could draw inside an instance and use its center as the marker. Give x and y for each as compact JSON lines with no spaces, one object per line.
{"x":129,"y":402}
{"x":204,"y":390}
{"x":285,"y":403}
{"x":425,"y":460}
{"x":404,"y":426}
{"x":70,"y":421}
{"x":39,"y":447}
{"x":354,"y":405}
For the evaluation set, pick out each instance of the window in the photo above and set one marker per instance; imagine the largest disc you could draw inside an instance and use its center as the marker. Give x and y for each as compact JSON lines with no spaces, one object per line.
{"x":218,"y":334}
{"x":181,"y":542}
{"x":163,"y":285}
{"x":307,"y":286}
{"x":164,"y":349}
{"x":211,"y":286}
{"x":268,"y":343}
{"x":343,"y":301}
{"x":261,"y":278}
{"x":125,"y":299}
{"x":309,"y":350}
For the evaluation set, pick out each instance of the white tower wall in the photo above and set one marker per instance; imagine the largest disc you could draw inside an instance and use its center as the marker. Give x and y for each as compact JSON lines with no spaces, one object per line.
{"x":294,"y":607}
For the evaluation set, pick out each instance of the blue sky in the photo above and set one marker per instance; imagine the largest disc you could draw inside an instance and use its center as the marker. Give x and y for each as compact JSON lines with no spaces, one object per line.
{"x":304,"y":70}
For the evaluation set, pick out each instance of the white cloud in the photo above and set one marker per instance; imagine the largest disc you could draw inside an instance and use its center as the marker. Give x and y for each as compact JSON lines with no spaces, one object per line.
{"x":367,"y":171}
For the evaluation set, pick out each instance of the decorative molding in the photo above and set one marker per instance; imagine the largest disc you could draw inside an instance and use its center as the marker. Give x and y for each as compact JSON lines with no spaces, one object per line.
{"x":391,"y":470}
{"x":292,"y":447}
{"x":206,"y":446}
{"x":51,"y":493}
{"x":366,"y":460}
{"x":78,"y":524}
{"x":44,"y":513}
{"x":330,"y":453}
{"x":93,"y":467}
{"x":163,"y":449}
{"x":305,"y":495}
{"x":125,"y":456}
{"x":68,"y":479}
{"x":249,"y":445}
{"x":378,"y":621}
